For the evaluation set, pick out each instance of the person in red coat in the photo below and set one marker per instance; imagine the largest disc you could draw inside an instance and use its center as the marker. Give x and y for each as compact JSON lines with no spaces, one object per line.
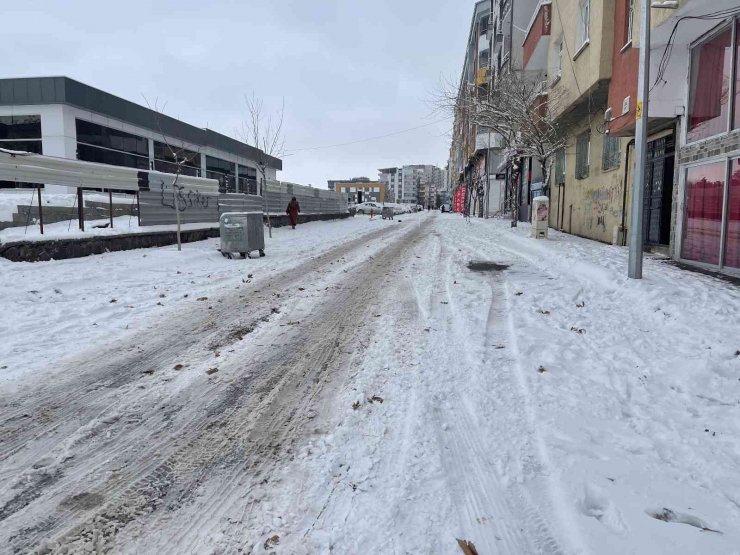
{"x":292,"y":211}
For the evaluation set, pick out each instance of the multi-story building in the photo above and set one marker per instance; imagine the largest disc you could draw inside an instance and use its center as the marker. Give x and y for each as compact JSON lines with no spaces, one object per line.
{"x":585,"y":194}
{"x":465,"y":157}
{"x":362,"y":191}
{"x":331,"y":182}
{"x":692,"y":189}
{"x":412,"y":184}
{"x":58,"y":116}
{"x":495,"y":46}
{"x":392,"y":179}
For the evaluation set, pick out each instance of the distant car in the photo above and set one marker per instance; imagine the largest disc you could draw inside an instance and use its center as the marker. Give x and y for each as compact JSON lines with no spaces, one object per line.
{"x":445,"y":207}
{"x":366,"y":207}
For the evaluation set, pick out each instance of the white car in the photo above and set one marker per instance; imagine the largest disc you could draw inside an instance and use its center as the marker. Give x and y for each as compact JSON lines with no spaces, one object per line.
{"x":445,"y":207}
{"x":365,"y":207}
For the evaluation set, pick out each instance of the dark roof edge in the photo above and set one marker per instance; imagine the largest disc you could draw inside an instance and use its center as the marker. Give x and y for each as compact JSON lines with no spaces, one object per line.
{"x":63,"y":90}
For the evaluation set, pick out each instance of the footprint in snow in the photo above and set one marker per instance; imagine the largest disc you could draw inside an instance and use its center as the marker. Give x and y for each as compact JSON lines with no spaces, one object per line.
{"x":596,"y":504}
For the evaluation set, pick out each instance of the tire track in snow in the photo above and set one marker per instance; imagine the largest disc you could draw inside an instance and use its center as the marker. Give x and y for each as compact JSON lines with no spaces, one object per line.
{"x":284,"y":280}
{"x":500,"y":519}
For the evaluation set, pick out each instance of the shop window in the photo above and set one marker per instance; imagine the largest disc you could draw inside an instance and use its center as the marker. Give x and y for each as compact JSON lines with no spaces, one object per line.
{"x":732,"y":242}
{"x":583,"y":147}
{"x":736,"y":120}
{"x":702,"y":229}
{"x":709,"y":87}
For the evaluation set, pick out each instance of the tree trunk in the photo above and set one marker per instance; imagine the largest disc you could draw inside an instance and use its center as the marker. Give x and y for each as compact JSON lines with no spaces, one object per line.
{"x":176,"y":194}
{"x":267,"y":205}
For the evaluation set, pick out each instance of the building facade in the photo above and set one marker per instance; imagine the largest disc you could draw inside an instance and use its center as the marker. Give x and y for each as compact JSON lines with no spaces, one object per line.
{"x":412,"y":184}
{"x":362,"y":191}
{"x":58,"y":116}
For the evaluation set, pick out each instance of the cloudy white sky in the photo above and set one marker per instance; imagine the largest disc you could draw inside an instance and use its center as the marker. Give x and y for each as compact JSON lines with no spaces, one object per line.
{"x":348,"y":70}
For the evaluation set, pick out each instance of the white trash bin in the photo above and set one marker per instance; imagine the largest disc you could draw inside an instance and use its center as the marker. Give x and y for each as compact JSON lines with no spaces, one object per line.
{"x":540,"y":217}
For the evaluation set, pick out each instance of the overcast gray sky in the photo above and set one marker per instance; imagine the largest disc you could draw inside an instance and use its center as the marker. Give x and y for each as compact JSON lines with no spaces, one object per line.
{"x":348,"y":70}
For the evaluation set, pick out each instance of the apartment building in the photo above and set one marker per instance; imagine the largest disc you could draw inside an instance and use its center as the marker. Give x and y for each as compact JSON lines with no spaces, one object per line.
{"x":477,"y":164}
{"x":412,"y":184}
{"x":692,"y":182}
{"x":468,"y":153}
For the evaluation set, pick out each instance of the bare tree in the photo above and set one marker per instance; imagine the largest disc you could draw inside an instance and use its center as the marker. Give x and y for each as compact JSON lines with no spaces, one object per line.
{"x":180,"y":158}
{"x":265,"y":133}
{"x":521,"y":109}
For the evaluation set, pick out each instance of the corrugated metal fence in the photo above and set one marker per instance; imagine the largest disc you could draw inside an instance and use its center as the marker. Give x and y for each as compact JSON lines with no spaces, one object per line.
{"x":158,"y":207}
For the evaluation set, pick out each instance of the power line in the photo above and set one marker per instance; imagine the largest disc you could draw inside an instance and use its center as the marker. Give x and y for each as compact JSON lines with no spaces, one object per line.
{"x":370,"y":138}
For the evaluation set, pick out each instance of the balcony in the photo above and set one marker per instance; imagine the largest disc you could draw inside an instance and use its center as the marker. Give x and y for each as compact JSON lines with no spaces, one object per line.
{"x":536,"y":43}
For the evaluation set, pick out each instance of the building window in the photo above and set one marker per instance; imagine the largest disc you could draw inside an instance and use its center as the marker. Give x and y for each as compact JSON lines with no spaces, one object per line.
{"x":247,"y":180}
{"x":612,"y":152}
{"x":560,"y":166}
{"x":224,"y":172}
{"x":164,"y":159}
{"x":584,"y":16}
{"x":709,"y":87}
{"x":23,"y":134}
{"x":20,"y":127}
{"x":630,"y":21}
{"x":702,"y":228}
{"x":89,"y":153}
{"x":583,"y":148}
{"x":105,"y":137}
{"x":557,"y":60}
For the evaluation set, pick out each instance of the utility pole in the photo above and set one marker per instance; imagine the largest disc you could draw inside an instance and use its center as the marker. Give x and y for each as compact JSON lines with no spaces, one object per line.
{"x":641,"y":132}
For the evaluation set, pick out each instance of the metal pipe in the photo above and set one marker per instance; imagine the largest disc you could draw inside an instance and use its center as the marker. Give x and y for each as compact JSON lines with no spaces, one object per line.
{"x":110,"y":207}
{"x":624,"y":190}
{"x":41,"y":212}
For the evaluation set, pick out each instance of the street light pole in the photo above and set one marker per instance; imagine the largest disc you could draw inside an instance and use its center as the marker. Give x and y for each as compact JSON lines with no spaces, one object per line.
{"x":641,"y":132}
{"x":638,"y":187}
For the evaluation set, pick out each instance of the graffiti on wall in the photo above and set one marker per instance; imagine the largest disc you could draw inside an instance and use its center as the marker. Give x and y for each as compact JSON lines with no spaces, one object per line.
{"x":601,"y":203}
{"x":191,"y":199}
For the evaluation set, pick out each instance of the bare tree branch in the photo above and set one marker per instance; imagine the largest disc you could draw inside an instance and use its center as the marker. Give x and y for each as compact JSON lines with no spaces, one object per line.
{"x":518,"y":106}
{"x":265,"y":133}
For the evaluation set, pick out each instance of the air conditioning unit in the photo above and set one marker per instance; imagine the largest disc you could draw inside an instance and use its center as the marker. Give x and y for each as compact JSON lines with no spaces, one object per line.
{"x":608,"y":115}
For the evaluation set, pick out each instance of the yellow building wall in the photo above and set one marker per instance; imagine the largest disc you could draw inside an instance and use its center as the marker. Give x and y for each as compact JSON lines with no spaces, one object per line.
{"x":594,"y":205}
{"x":580,"y":70}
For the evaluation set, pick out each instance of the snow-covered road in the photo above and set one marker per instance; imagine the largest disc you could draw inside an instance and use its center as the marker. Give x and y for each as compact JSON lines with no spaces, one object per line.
{"x":391,"y":388}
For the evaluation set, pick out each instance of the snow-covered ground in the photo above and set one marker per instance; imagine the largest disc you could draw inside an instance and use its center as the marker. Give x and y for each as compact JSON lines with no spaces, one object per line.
{"x":93,"y":228}
{"x":396,"y":398}
{"x":551,"y":407}
{"x":54,"y":309}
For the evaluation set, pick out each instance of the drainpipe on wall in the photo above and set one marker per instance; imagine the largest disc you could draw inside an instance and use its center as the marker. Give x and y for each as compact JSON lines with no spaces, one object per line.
{"x":624,"y":190}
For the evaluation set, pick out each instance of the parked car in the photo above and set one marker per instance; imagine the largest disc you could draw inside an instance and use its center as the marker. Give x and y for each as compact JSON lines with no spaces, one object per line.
{"x":445,"y":207}
{"x":365,"y":207}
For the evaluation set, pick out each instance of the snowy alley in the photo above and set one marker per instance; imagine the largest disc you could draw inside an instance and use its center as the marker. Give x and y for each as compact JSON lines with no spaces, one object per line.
{"x":370,"y":387}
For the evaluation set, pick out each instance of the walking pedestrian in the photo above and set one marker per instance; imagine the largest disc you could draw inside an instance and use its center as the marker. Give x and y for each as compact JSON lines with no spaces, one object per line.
{"x":292,"y":211}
